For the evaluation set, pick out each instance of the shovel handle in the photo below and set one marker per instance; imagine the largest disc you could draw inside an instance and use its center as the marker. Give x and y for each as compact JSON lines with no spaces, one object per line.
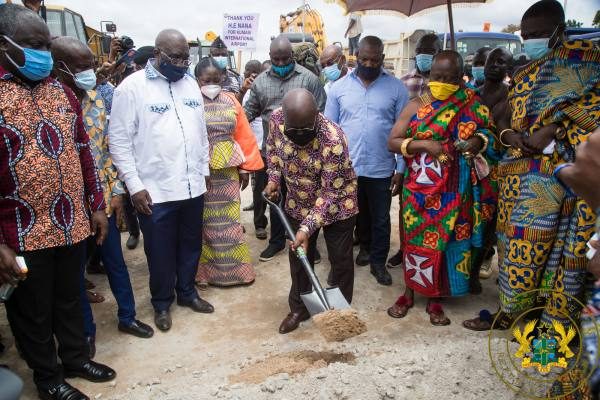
{"x":299,"y":251}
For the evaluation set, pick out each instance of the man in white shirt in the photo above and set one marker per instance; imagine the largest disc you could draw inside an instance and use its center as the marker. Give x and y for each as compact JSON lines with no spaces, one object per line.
{"x":158,"y":142}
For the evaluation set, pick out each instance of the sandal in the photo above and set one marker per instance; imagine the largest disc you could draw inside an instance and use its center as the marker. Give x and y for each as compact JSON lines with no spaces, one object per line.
{"x":401,"y":307}
{"x":485,"y":320}
{"x":436,"y":314}
{"x":94,"y":297}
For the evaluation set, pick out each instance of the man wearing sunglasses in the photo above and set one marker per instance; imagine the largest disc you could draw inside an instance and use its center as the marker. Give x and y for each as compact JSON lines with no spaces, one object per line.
{"x":310,"y":153}
{"x":159,"y":145}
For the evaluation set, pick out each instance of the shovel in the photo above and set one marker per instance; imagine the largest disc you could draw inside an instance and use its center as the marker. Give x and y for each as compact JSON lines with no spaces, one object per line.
{"x":318,"y":300}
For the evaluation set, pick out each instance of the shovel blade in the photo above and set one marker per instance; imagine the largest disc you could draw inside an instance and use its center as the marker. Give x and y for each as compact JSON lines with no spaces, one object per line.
{"x":314,"y":305}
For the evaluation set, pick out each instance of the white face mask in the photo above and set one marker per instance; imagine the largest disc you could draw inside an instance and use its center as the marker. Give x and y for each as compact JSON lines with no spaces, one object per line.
{"x":210,"y":91}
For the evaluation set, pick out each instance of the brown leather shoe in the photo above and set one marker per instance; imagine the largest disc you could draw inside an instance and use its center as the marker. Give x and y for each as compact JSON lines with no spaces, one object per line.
{"x":292,"y":321}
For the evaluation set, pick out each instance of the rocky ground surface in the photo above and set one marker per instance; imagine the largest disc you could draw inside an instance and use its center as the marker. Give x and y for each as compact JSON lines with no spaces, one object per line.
{"x":237,"y":353}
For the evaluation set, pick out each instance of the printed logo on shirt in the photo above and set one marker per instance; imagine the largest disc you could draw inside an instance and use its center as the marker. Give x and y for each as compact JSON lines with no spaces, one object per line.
{"x":193,"y":103}
{"x":159,"y":108}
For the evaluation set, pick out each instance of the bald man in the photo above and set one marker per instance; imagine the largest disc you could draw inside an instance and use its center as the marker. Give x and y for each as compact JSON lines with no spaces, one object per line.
{"x":74,"y":63}
{"x":265,"y":96}
{"x":50,"y":196}
{"x":333,"y":63}
{"x":309,"y":152}
{"x":159,"y":145}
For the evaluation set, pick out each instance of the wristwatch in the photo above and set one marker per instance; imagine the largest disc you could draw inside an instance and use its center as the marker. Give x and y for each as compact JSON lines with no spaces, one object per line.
{"x":304,"y":229}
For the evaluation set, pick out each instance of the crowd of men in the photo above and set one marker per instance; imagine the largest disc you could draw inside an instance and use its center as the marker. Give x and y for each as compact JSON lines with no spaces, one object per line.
{"x":506,"y":160}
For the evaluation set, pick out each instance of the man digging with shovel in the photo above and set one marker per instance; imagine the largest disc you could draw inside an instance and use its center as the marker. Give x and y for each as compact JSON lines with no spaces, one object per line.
{"x":311,"y":154}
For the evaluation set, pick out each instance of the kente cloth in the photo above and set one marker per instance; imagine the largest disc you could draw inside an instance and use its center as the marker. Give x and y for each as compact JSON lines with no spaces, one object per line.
{"x":445,"y":206}
{"x":225,"y":259}
{"x":542,"y":230}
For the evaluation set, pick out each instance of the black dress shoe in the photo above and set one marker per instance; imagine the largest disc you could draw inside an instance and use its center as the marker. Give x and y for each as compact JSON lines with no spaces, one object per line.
{"x":381,"y":274}
{"x":61,"y":391}
{"x":362,"y":259}
{"x":90,"y":341}
{"x":162,"y":320}
{"x":137,"y":328}
{"x":198,"y":305}
{"x":91,"y":371}
{"x":132,"y":242}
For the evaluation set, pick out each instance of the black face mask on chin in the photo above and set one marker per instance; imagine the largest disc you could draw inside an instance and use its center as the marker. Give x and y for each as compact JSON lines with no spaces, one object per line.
{"x":367,"y":73}
{"x":301,"y":139}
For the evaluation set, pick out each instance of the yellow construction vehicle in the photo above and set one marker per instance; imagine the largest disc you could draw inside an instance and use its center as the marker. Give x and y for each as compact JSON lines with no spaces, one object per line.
{"x":65,"y":22}
{"x":304,"y":25}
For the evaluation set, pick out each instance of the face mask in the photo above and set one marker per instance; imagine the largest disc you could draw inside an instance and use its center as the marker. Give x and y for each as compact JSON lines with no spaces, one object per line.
{"x":442,"y":91}
{"x":221,"y":61}
{"x":85,"y":80}
{"x":536,"y":48}
{"x":172,"y":72}
{"x":210,"y":91}
{"x":301,"y":139}
{"x":367,"y":73}
{"x":38,"y":63}
{"x":332,"y":73}
{"x":423,"y":62}
{"x":284,"y":70}
{"x":478,"y":73}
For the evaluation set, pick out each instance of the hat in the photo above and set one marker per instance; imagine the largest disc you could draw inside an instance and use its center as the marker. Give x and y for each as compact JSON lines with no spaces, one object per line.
{"x":218,"y":43}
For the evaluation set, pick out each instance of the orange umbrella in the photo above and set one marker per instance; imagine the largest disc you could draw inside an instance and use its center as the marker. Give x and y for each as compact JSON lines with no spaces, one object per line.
{"x":404,"y":7}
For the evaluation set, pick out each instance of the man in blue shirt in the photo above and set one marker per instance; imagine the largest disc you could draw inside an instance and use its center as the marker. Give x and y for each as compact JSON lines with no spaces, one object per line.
{"x":366,"y":104}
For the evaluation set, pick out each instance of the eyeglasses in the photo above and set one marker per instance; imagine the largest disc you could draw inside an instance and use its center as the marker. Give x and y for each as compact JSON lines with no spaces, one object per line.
{"x":332,"y":62}
{"x":288,"y":130}
{"x":176,"y":60}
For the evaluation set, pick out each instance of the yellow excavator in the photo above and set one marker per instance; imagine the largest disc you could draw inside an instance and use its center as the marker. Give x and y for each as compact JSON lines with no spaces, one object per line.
{"x":65,"y":22}
{"x":304,"y":25}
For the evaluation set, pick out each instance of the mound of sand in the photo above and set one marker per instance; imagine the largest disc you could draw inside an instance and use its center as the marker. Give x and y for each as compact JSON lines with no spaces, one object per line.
{"x":339,"y":325}
{"x":293,"y":363}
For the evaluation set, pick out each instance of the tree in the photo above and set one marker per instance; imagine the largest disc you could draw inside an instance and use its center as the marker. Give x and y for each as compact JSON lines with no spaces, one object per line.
{"x":596,"y":22}
{"x":511,"y":28}
{"x":571,"y":23}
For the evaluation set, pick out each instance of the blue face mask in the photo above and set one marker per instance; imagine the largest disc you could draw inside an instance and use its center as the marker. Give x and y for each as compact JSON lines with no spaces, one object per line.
{"x":173,"y":73}
{"x":423,"y":62}
{"x":221,"y":61}
{"x":85,"y":80}
{"x":38,"y":63}
{"x":478,"y":74}
{"x":283,"y":71}
{"x":332,"y":73}
{"x":536,"y":48}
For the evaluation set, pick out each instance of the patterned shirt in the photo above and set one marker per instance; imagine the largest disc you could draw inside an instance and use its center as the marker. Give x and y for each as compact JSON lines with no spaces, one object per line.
{"x":268,"y":90}
{"x":415,"y":83}
{"x":233,"y":83}
{"x":320,"y":179}
{"x":106,"y":91}
{"x":94,"y":119}
{"x":48,"y":181}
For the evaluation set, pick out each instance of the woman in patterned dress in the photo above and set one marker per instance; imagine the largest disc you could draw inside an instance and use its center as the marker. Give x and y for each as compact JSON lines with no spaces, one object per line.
{"x":225,"y":259}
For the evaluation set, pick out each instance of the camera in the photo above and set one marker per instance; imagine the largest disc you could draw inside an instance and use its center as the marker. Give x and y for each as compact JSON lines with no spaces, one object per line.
{"x":126,"y":43}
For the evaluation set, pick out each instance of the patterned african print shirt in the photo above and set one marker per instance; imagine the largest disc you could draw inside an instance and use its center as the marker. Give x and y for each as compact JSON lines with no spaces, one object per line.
{"x":96,"y":124}
{"x":320,"y":179}
{"x":48,"y":181}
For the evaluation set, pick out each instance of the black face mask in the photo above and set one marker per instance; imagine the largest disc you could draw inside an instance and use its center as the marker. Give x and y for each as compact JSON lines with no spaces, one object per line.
{"x":301,"y":139}
{"x":367,"y":73}
{"x":172,"y":72}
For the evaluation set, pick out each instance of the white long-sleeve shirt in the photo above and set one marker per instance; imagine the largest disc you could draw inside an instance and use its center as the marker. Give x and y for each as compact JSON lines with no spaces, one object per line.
{"x":157,"y":136}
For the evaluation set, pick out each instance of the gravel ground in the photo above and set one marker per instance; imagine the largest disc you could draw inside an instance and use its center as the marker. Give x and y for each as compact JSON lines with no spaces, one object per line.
{"x":206,"y":356}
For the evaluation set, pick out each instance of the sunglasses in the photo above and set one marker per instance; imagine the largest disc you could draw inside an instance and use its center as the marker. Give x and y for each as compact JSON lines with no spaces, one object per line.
{"x":176,"y":60}
{"x":289,"y":130}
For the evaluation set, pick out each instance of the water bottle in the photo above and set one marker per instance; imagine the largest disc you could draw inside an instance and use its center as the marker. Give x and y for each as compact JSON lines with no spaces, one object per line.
{"x":7,"y":288}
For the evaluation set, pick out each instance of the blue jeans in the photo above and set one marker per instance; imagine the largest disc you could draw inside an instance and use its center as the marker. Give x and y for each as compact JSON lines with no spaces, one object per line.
{"x":373,"y":223}
{"x":173,"y":243}
{"x":111,"y":255}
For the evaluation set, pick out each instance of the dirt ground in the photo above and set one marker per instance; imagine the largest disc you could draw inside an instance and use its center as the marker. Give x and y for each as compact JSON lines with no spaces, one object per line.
{"x":214,"y":356}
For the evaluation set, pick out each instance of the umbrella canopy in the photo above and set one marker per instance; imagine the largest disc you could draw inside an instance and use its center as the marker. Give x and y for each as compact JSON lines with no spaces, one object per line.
{"x":405,"y":7}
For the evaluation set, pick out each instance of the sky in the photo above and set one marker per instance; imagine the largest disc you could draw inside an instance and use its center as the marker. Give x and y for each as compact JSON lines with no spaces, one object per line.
{"x":143,"y":19}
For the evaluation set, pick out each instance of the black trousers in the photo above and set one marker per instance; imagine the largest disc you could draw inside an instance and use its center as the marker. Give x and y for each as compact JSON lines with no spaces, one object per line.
{"x":373,"y":224}
{"x":338,"y":238}
{"x":260,"y":205}
{"x":47,"y":305}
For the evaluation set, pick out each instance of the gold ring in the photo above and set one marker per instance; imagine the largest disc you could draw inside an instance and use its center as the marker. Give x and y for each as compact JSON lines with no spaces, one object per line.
{"x":516,"y":152}
{"x":443,"y":158}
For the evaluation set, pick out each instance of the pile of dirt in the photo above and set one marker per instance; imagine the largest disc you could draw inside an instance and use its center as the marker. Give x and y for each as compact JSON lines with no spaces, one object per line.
{"x":339,"y":325}
{"x":293,"y":363}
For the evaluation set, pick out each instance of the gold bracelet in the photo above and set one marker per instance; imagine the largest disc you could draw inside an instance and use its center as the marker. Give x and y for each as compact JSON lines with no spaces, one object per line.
{"x":404,"y":148}
{"x":502,"y":133}
{"x":485,"y":141}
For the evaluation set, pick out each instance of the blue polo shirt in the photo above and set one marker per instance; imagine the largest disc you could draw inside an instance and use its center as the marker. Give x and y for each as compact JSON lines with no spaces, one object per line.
{"x":367,"y":115}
